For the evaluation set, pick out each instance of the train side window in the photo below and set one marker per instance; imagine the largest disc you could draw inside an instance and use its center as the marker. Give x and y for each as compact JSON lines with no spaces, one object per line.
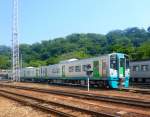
{"x":55,"y":70}
{"x":77,"y":68}
{"x":144,"y":67}
{"x":84,"y":67}
{"x":71,"y":69}
{"x":136,"y":68}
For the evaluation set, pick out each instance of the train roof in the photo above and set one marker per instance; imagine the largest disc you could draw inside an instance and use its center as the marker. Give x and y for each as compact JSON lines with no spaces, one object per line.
{"x":145,"y":60}
{"x":86,"y":59}
{"x":70,"y":60}
{"x":81,"y":60}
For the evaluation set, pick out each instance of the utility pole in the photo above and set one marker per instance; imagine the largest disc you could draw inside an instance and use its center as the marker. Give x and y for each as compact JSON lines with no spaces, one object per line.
{"x":21,"y":64}
{"x":15,"y":43}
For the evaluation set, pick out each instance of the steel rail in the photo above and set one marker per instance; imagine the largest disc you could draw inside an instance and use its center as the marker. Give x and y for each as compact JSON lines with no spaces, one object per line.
{"x":36,"y":105}
{"x":143,"y":91}
{"x":113,"y":99}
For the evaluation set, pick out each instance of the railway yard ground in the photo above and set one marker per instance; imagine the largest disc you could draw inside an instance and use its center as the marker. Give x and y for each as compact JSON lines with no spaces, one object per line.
{"x":10,"y":108}
{"x":43,"y":100}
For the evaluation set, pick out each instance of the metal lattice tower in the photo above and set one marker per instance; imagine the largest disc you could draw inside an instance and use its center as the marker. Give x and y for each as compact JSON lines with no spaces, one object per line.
{"x":15,"y":43}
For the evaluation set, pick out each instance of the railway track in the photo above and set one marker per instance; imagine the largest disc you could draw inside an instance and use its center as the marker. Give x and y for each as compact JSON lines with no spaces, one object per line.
{"x":113,"y":99}
{"x":59,"y":109}
{"x":136,"y":90}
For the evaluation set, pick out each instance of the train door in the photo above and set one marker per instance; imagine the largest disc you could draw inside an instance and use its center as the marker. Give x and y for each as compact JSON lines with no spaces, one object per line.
{"x":121,"y":70}
{"x":24,"y":72}
{"x":36,"y":73}
{"x":104,"y":71}
{"x":96,"y":69}
{"x":46,"y":73}
{"x":121,"y":67}
{"x":63,"y":71}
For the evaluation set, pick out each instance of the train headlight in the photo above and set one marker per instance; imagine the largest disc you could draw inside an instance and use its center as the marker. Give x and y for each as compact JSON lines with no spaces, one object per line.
{"x":113,"y":72}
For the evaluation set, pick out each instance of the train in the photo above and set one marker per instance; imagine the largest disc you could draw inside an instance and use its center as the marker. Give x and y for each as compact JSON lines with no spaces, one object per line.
{"x":140,"y":71}
{"x":110,"y":70}
{"x":3,"y":74}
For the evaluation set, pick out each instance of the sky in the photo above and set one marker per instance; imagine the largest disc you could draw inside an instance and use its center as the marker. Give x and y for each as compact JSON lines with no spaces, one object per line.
{"x":48,"y":19}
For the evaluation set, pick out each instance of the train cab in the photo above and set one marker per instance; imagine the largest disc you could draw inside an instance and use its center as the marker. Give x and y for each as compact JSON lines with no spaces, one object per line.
{"x":119,"y":70}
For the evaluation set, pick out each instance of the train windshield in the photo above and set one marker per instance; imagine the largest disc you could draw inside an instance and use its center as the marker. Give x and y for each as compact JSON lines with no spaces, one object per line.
{"x":113,"y":62}
{"x":122,"y":62}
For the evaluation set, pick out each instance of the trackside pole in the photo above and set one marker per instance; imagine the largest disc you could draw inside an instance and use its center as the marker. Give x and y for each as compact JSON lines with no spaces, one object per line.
{"x":88,"y":84}
{"x":88,"y":73}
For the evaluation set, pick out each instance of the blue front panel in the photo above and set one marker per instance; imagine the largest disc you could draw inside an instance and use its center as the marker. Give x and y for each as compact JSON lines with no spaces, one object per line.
{"x":127,"y":82}
{"x":113,"y":82}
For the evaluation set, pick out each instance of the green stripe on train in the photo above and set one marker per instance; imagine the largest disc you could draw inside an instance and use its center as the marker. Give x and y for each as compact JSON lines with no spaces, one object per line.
{"x":121,"y":70}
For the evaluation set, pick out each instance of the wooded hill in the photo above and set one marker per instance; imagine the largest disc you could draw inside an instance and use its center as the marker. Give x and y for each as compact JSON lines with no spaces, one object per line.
{"x":133,"y":41}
